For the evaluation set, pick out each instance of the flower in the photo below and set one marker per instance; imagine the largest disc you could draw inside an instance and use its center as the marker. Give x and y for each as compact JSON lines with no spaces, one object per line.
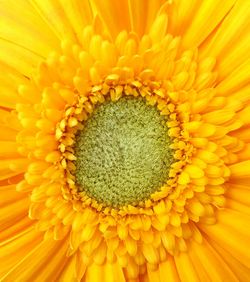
{"x":124,"y":140}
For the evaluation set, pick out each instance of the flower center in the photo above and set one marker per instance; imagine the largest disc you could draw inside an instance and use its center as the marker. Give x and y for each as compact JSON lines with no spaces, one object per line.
{"x":123,"y":152}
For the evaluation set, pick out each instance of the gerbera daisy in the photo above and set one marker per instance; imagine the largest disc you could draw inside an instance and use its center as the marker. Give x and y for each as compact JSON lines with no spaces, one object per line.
{"x":125,"y":148}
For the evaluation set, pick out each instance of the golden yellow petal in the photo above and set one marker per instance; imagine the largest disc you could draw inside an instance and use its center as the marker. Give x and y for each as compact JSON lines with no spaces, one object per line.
{"x":78,"y":13}
{"x":57,"y":259}
{"x":17,"y":247}
{"x":42,"y":112}
{"x":7,"y":134}
{"x":236,"y":206}
{"x":21,"y":25}
{"x":181,"y":14}
{"x":185,"y":268}
{"x":168,"y":269}
{"x":107,"y":273}
{"x":16,"y":226}
{"x":18,"y":58}
{"x":236,"y":80}
{"x":240,"y":170}
{"x":232,"y":228}
{"x":10,"y":78}
{"x":110,"y":12}
{"x":239,"y":193}
{"x":218,"y":117}
{"x":153,"y":275}
{"x":234,"y":55}
{"x":68,"y":272}
{"x":212,"y":12}
{"x":227,"y":37}
{"x":236,"y":267}
{"x":210,"y":265}
{"x":142,"y":14}
{"x":55,"y":18}
{"x":36,"y":261}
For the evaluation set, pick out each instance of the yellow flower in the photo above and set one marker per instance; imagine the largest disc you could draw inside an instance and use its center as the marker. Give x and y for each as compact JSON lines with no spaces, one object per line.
{"x":124,"y":144}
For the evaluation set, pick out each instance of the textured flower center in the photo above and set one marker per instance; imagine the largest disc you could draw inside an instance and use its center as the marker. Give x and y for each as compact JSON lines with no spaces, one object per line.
{"x":123,"y":152}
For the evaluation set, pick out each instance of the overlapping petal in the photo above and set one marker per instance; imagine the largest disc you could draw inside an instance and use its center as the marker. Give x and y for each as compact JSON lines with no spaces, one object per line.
{"x":188,"y":59}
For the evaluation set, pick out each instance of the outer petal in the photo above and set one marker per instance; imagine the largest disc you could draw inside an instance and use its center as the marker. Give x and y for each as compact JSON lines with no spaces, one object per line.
{"x":20,"y":24}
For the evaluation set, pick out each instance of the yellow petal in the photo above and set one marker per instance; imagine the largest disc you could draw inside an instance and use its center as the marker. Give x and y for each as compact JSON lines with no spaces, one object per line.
{"x":194,"y":171}
{"x":17,"y":247}
{"x":115,"y":15}
{"x":22,"y":223}
{"x":239,"y":193}
{"x":23,"y":26}
{"x":150,"y":253}
{"x":205,"y":258}
{"x":218,"y":117}
{"x":78,"y":13}
{"x":185,"y":268}
{"x":158,"y":28}
{"x":142,"y":14}
{"x":228,"y":235}
{"x":153,"y":275}
{"x":244,"y":115}
{"x":54,"y":17}
{"x":228,"y":34}
{"x":168,"y":269}
{"x":69,"y":271}
{"x":209,"y":11}
{"x":236,"y":206}
{"x":196,"y":207}
{"x":131,"y":246}
{"x":57,"y":259}
{"x":236,"y":80}
{"x":107,"y":273}
{"x":18,"y":58}
{"x":37,"y":259}
{"x":238,"y":269}
{"x":184,"y":178}
{"x":8,"y":149}
{"x":234,"y":55}
{"x":100,"y":254}
{"x":240,"y":170}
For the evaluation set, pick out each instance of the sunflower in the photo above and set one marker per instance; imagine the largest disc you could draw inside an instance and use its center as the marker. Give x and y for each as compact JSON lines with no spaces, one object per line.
{"x":124,"y":144}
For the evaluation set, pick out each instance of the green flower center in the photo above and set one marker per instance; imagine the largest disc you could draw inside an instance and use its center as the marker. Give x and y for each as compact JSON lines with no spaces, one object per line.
{"x":123,"y":152}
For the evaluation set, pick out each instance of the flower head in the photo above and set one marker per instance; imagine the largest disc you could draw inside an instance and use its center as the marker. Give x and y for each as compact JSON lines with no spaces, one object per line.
{"x":125,"y":147}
